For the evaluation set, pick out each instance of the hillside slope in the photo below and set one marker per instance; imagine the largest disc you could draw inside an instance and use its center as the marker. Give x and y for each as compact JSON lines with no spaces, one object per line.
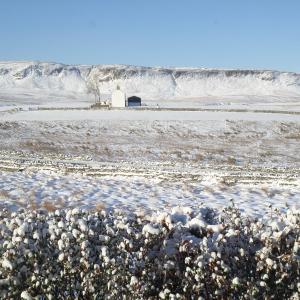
{"x":53,"y":79}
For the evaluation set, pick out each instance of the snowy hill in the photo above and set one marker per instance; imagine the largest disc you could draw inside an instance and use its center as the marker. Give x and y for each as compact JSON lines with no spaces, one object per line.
{"x":39,"y":79}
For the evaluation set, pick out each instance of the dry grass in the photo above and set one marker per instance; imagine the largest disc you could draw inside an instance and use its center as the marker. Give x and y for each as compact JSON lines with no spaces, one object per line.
{"x":269,"y":192}
{"x":32,"y":204}
{"x":231,"y":160}
{"x":4,"y":194}
{"x":228,"y":181}
{"x":267,"y":154}
{"x":60,"y":202}
{"x":49,"y":206}
{"x":208,"y":189}
{"x":293,"y":136}
{"x":37,"y":146}
{"x":100,"y":206}
{"x":198,"y":157}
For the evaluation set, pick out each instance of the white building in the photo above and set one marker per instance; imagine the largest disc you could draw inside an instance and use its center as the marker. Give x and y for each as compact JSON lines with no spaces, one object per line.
{"x":118,"y":98}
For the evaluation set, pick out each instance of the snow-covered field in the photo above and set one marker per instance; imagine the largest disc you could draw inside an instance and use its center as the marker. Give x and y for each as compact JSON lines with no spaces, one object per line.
{"x":232,"y":134}
{"x":149,"y":160}
{"x":147,"y":115}
{"x":51,"y":190}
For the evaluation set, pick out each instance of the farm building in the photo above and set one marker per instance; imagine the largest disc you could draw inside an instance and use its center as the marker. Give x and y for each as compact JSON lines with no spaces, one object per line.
{"x":134,"y":101}
{"x":118,"y":98}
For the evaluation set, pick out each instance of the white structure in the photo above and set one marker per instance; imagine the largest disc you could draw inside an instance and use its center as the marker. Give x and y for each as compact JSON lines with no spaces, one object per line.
{"x":118,"y":98}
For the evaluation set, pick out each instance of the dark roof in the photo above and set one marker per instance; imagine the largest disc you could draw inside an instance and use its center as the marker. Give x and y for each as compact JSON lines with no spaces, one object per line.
{"x":134,"y":98}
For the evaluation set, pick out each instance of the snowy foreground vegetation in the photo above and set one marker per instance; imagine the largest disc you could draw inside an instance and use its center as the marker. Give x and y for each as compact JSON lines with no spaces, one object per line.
{"x":184,"y":254}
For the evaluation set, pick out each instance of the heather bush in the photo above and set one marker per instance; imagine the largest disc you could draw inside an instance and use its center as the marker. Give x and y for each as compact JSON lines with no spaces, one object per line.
{"x":184,"y":254}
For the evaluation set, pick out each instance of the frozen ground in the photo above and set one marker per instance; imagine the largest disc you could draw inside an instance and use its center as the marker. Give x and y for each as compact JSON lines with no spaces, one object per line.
{"x":147,"y":115}
{"x":198,"y":138}
{"x":52,"y":190}
{"x":149,"y":160}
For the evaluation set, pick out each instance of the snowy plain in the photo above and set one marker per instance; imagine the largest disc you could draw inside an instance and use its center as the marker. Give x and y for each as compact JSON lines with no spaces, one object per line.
{"x":148,"y":161}
{"x":144,"y":115}
{"x":54,"y":152}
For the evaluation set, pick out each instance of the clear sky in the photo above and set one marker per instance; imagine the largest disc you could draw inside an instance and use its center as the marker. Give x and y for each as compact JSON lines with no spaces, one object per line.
{"x":205,"y":33}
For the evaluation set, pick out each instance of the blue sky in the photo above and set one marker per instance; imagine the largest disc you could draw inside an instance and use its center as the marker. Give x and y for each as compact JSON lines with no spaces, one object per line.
{"x":224,"y":33}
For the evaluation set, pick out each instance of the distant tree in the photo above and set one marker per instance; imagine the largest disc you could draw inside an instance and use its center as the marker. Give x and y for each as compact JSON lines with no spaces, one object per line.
{"x":93,"y":83}
{"x":93,"y":87}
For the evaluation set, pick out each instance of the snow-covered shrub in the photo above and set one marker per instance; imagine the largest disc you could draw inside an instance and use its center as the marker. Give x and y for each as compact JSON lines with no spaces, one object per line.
{"x":184,"y":254}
